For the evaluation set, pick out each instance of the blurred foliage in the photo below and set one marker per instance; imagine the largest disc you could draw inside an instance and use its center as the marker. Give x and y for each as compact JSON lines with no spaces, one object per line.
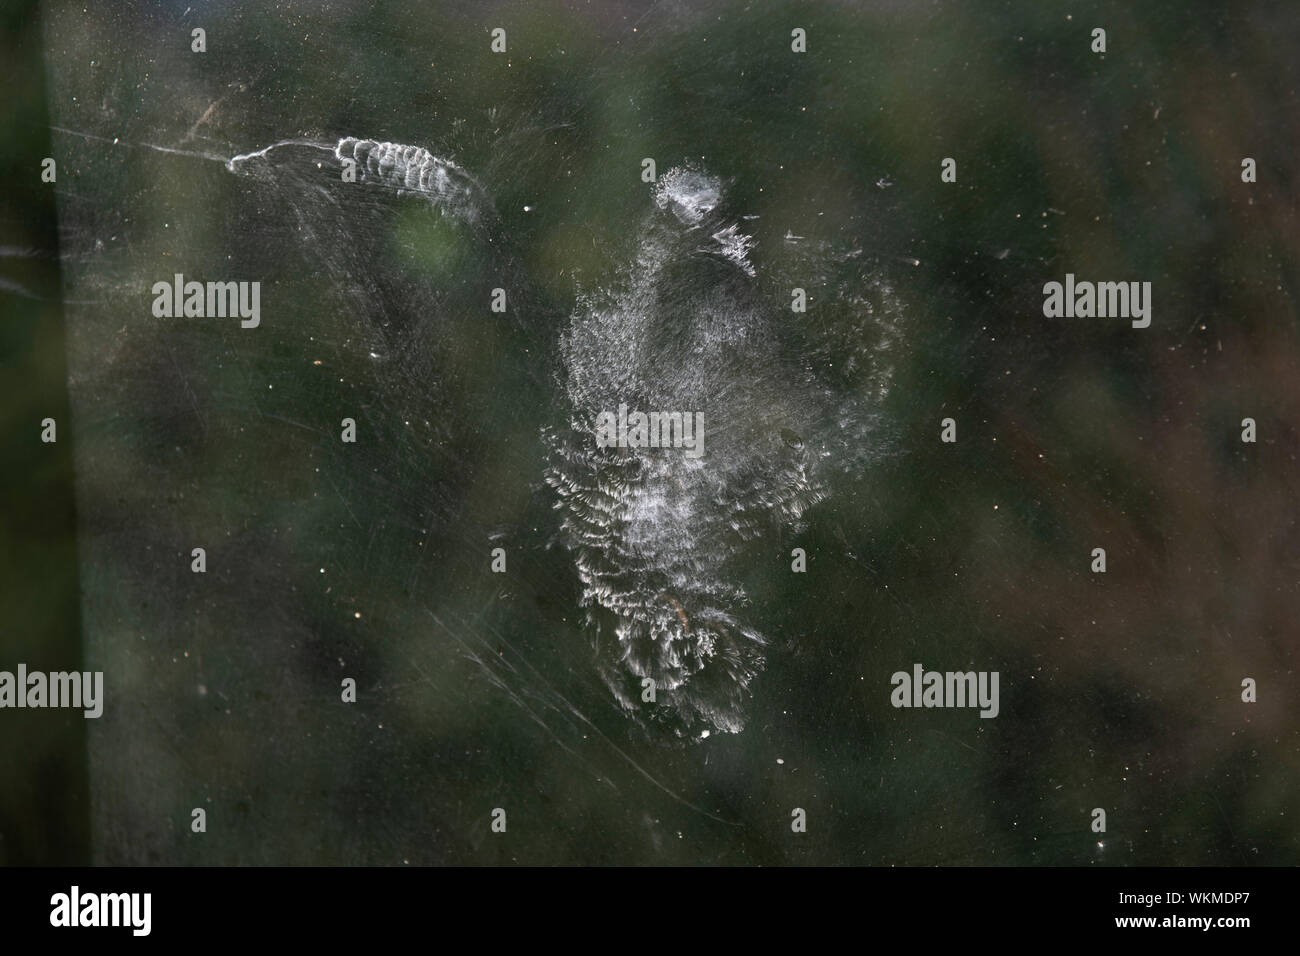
{"x":1119,"y":691}
{"x":44,"y":797}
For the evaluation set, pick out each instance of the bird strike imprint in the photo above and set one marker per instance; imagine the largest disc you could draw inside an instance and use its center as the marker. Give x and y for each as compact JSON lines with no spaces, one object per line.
{"x":413,"y":169}
{"x":662,"y":541}
{"x":409,"y":170}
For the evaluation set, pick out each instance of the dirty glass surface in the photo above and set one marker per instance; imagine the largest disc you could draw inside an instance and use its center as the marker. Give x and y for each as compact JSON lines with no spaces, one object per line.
{"x":463,"y":260}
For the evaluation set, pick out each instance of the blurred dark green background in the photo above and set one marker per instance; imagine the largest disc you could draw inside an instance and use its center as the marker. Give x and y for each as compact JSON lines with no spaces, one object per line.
{"x":1118,"y":691}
